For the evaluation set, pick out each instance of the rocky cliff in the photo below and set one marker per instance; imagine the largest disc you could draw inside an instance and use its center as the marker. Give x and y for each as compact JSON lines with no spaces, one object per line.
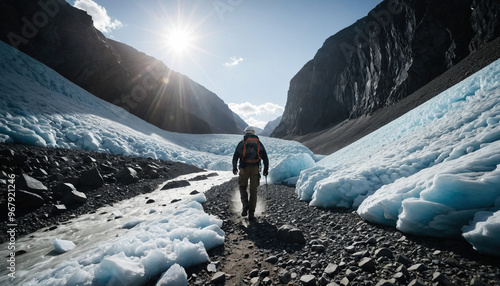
{"x":396,"y":49}
{"x":64,"y":38}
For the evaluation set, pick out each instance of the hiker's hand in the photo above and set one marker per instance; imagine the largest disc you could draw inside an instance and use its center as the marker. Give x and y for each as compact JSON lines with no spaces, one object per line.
{"x":266,"y":172}
{"x":235,"y":171}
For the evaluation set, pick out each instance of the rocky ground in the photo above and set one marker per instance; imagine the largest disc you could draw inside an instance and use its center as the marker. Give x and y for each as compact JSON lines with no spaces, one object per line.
{"x":340,"y":248}
{"x":290,"y":243}
{"x":54,"y":185}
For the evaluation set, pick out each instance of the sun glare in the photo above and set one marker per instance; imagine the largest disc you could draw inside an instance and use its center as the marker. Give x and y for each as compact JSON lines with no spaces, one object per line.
{"x":179,"y":40}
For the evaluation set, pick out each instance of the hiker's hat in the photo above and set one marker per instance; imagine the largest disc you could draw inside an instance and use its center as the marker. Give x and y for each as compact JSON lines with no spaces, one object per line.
{"x":250,"y":130}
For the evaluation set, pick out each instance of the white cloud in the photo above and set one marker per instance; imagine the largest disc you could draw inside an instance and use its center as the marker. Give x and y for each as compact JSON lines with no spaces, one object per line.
{"x":257,"y":115}
{"x":102,"y":21}
{"x":256,"y":123}
{"x":234,"y":61}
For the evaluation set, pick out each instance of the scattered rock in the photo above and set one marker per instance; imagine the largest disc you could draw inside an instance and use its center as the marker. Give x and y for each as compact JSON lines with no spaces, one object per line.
{"x":319,"y":248}
{"x":350,"y":249}
{"x":441,"y":279}
{"x":264,"y":273}
{"x":272,"y":259}
{"x":254,"y":273}
{"x":219,"y":277}
{"x":59,"y":208}
{"x":127,"y":176}
{"x":331,"y":270}
{"x":308,"y":280}
{"x":383,"y":252}
{"x":88,"y":159}
{"x":152,"y":174}
{"x":199,"y":178}
{"x":285,"y":277}
{"x":417,"y":267}
{"x":290,"y":234}
{"x":40,"y":173}
{"x":28,"y":200}
{"x":7,"y":153}
{"x":69,"y":194}
{"x":403,"y":260}
{"x":176,"y":184}
{"x":400,"y":277}
{"x":30,"y":184}
{"x":91,"y":178}
{"x":212,"y":268}
{"x":477,"y":282}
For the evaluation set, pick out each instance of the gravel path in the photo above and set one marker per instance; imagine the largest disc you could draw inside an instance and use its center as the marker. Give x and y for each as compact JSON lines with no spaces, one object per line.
{"x":340,"y":248}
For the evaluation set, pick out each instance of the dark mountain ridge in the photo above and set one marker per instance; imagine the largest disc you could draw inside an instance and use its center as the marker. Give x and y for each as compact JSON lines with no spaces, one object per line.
{"x":398,"y":48}
{"x":64,"y":38}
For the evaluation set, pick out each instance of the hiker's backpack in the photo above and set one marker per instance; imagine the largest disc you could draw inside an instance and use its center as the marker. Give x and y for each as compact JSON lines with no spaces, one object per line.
{"x":251,"y":150}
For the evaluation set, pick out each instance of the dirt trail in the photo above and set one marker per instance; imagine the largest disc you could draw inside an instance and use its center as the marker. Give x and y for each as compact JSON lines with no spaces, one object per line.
{"x":247,"y":243}
{"x":243,"y":252}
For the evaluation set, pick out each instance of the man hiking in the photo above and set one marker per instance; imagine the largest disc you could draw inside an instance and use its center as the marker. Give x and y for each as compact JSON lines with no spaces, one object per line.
{"x":250,"y":152}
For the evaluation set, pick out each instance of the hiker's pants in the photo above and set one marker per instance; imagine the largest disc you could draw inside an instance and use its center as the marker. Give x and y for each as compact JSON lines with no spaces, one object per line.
{"x":249,"y":172}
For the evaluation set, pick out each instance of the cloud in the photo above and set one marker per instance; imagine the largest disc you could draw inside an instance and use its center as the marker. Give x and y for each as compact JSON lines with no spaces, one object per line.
{"x":256,"y":123}
{"x":234,"y":62}
{"x":99,"y":15}
{"x":248,"y":109}
{"x":257,"y":115}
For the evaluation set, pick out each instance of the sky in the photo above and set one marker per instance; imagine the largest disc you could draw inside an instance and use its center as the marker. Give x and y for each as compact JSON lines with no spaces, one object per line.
{"x":245,"y":51}
{"x":434,"y":171}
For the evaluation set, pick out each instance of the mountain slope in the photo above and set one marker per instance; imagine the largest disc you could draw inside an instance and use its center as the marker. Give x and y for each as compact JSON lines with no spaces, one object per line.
{"x":383,"y":58}
{"x":270,"y":126}
{"x":64,"y":38}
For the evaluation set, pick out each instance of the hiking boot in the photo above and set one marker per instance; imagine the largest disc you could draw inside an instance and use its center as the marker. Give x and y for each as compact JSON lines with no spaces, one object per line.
{"x":244,"y":212}
{"x":251,"y":216}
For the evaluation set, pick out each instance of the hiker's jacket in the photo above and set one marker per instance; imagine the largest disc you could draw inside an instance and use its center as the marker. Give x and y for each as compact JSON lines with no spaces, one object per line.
{"x":238,"y":153}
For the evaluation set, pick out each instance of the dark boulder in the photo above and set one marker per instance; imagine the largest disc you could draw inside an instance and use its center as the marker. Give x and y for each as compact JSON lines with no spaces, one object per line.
{"x":290,"y":234}
{"x":28,"y":200}
{"x":91,"y":178}
{"x":29,"y":183}
{"x":127,"y":176}
{"x":69,"y":195}
{"x":176,"y":184}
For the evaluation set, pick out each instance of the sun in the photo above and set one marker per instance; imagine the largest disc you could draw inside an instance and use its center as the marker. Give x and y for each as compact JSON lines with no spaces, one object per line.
{"x":179,"y":40}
